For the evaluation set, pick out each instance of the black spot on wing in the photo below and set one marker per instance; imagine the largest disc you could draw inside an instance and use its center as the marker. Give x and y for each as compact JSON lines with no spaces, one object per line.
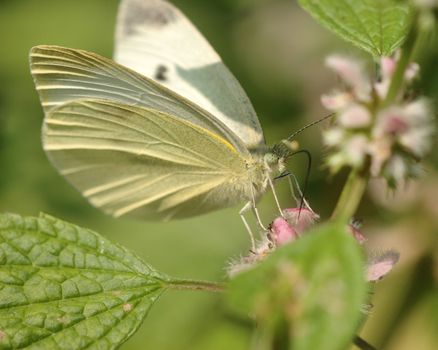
{"x":144,"y":13}
{"x":161,"y":73}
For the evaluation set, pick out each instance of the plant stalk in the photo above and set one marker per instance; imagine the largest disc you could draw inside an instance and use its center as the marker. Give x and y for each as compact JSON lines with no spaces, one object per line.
{"x":397,"y":80}
{"x":184,"y":284}
{"x":351,"y":196}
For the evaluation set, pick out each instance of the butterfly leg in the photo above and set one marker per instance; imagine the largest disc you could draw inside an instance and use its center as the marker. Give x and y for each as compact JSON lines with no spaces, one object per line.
{"x":245,"y":223}
{"x":275,"y":195}
{"x":293,"y":183}
{"x":252,"y":204}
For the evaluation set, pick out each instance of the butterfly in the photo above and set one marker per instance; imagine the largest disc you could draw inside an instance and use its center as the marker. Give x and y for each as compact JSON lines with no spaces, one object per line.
{"x":162,"y":131}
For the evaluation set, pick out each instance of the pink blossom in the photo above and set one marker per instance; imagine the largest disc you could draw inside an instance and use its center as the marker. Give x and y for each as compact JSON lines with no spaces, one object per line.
{"x":380,"y":265}
{"x":282,"y":232}
{"x":336,"y":101}
{"x":356,"y":233}
{"x":300,"y":218}
{"x":353,"y":74}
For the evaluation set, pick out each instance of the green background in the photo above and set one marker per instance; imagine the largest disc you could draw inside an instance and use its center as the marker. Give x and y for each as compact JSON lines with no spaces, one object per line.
{"x":277,"y":53}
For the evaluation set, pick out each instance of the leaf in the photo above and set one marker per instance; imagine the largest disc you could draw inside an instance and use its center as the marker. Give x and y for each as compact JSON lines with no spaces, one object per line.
{"x":65,"y":287}
{"x":376,"y":26}
{"x":310,"y":291}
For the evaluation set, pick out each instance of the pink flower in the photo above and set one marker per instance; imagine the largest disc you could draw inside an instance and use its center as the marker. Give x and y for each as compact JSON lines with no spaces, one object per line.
{"x":281,"y":232}
{"x":336,"y":100}
{"x":380,"y":265}
{"x":300,"y":218}
{"x":353,"y":229}
{"x":353,"y":74}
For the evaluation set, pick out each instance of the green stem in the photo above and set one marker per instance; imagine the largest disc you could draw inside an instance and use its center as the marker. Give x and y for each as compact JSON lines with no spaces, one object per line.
{"x":399,"y":74}
{"x":351,"y":196}
{"x":357,"y":181}
{"x":183,"y":284}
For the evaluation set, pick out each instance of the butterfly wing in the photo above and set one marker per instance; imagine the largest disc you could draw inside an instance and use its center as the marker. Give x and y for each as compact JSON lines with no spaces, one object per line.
{"x":62,"y":75}
{"x":132,"y":160}
{"x":155,"y":39}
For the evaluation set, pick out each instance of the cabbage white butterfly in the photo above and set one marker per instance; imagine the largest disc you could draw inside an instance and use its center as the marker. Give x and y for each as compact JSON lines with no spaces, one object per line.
{"x":167,"y":132}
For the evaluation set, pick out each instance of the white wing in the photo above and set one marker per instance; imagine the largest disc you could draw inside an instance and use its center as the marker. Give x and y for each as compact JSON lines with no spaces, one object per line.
{"x":133,"y":160}
{"x":155,"y":39}
{"x":62,"y":75}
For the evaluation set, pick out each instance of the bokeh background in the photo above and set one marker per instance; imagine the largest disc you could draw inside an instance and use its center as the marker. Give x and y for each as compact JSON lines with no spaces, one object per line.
{"x":277,"y":53}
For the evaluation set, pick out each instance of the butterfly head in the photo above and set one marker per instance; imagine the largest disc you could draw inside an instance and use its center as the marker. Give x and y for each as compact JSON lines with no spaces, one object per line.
{"x":274,"y":162}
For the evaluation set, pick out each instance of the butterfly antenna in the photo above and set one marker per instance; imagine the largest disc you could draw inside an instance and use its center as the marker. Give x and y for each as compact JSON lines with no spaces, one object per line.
{"x":306,"y":179}
{"x":299,"y":131}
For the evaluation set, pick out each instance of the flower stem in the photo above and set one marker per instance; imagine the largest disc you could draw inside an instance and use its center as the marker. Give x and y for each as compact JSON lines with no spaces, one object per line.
{"x":184,"y":284}
{"x":351,"y":196}
{"x":399,"y":74}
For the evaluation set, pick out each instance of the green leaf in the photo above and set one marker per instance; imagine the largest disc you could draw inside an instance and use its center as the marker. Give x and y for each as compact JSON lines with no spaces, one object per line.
{"x":376,"y":26}
{"x":65,"y":287}
{"x":308,"y":294}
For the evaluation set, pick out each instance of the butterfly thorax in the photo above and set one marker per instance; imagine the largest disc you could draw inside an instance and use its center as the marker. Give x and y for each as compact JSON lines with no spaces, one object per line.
{"x":260,"y":169}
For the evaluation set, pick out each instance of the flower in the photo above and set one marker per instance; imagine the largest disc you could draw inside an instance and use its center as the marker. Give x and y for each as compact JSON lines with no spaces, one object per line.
{"x":387,"y":69}
{"x":390,"y":139}
{"x":281,"y":232}
{"x":301,"y":219}
{"x":380,"y":265}
{"x":354,"y":116}
{"x":353,"y":74}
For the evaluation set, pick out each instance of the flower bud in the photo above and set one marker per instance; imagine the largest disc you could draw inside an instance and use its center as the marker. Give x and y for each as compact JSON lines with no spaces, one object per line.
{"x":354,"y":117}
{"x":353,"y":229}
{"x":380,"y":265}
{"x":336,"y":100}
{"x":300,"y":218}
{"x":353,"y":74}
{"x":333,"y":136}
{"x":281,"y":232}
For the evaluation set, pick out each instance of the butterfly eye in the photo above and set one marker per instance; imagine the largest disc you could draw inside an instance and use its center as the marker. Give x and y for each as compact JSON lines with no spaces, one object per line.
{"x":271,"y":158}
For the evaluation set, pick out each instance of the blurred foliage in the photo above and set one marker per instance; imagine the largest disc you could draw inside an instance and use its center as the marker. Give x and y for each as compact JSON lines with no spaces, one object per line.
{"x":276,"y":51}
{"x":316,"y":290}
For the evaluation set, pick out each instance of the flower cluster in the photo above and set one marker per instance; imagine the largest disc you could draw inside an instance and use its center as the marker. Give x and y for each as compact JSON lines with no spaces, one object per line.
{"x":390,"y":139}
{"x":296,"y":222}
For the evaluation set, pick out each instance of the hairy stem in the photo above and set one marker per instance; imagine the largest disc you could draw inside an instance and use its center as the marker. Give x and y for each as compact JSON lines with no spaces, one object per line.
{"x":183,"y":284}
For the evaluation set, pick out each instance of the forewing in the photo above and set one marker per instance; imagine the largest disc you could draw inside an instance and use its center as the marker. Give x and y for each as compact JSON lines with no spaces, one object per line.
{"x":133,"y":160}
{"x":62,"y":75}
{"x":155,"y":38}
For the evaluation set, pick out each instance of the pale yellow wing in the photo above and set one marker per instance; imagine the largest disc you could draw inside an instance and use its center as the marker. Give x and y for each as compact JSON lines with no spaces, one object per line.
{"x":156,"y":39}
{"x":62,"y":75}
{"x":132,"y":160}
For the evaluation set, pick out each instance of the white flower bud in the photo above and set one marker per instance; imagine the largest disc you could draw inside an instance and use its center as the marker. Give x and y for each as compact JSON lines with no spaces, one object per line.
{"x":353,"y":74}
{"x":417,"y":140}
{"x":380,"y":151}
{"x":336,"y":101}
{"x":412,"y":72}
{"x":333,"y":137}
{"x":396,"y":170}
{"x":355,"y":150}
{"x":419,"y":112}
{"x":355,"y":117}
